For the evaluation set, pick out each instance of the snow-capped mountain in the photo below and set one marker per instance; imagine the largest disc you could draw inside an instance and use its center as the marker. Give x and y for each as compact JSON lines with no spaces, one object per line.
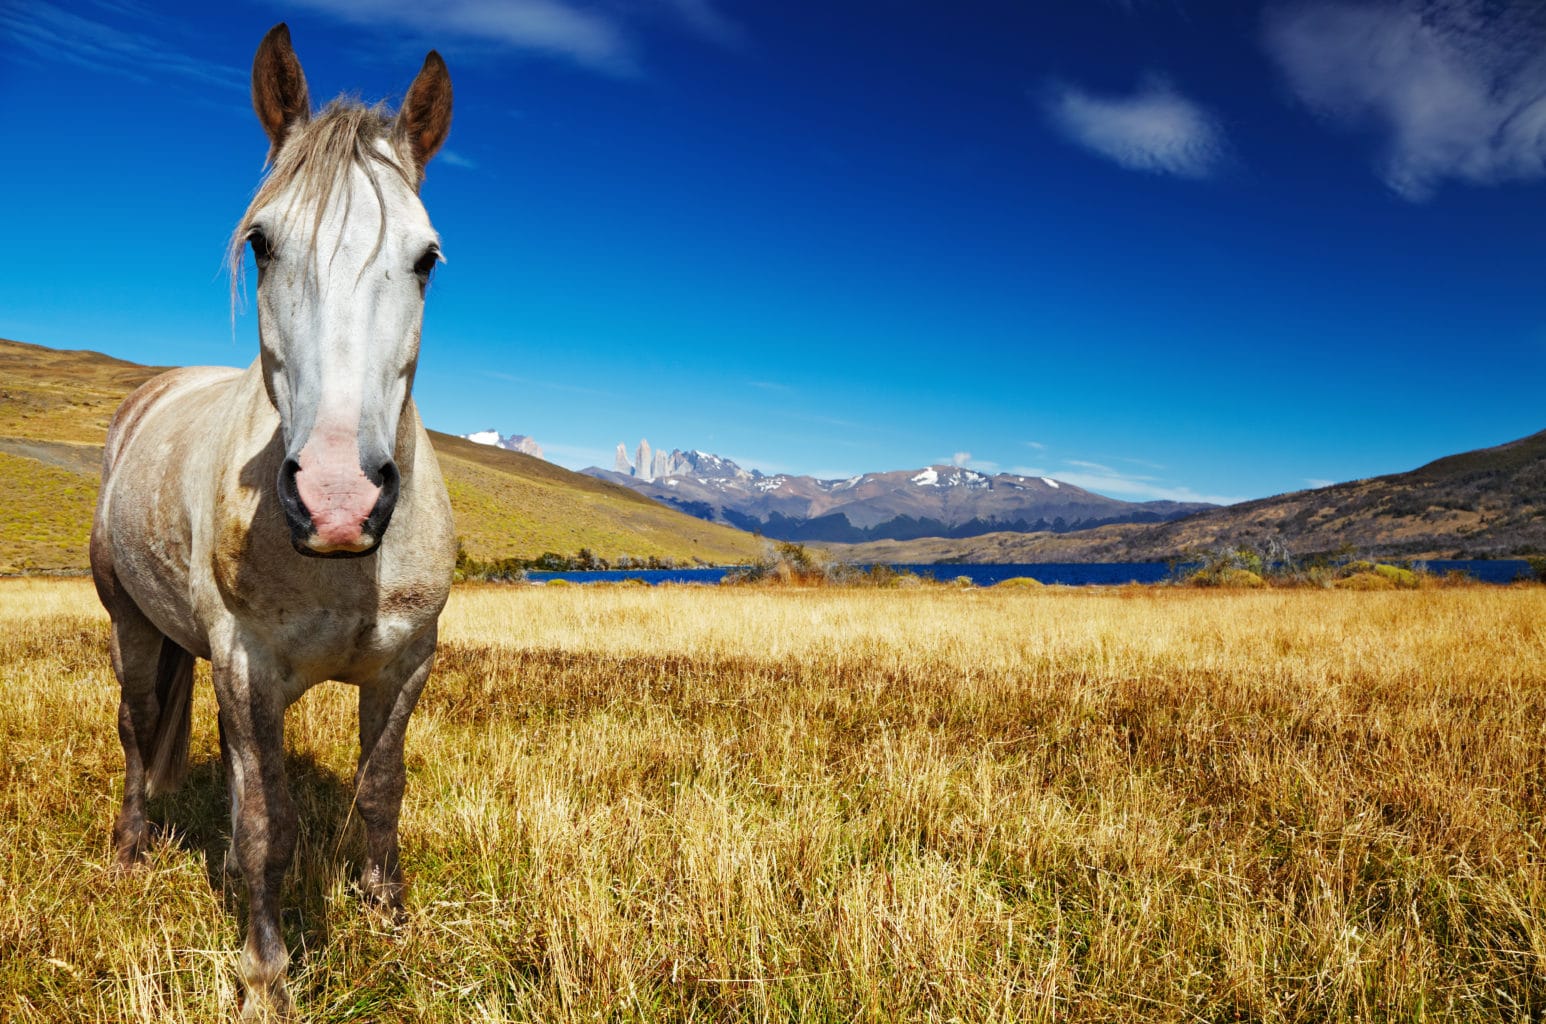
{"x":514,"y":443}
{"x":935,"y":501}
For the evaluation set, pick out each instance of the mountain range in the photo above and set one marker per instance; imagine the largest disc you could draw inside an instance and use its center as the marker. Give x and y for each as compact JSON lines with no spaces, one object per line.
{"x":934,"y":501}
{"x":55,"y":406}
{"x":1487,"y":503}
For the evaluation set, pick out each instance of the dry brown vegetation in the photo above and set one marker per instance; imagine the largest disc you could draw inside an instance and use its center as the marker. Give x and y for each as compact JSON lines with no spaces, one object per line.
{"x":750,"y":804}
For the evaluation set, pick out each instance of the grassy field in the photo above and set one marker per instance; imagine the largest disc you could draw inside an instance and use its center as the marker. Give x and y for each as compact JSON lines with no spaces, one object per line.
{"x":687,"y":804}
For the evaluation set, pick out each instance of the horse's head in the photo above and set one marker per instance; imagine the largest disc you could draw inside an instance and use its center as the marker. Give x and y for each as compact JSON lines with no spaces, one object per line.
{"x":344,"y":252}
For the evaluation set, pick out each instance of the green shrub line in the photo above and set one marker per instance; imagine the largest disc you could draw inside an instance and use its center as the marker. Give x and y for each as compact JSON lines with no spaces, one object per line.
{"x":1271,"y":564}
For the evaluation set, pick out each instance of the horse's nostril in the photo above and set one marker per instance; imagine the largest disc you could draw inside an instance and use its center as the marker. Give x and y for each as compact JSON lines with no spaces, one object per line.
{"x":289,"y":492}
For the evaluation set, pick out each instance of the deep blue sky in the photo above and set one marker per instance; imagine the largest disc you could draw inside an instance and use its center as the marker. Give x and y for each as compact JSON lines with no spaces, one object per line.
{"x":1159,"y":249}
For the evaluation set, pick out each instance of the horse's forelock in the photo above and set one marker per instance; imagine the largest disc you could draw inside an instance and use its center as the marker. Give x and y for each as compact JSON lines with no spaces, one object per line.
{"x":312,"y":165}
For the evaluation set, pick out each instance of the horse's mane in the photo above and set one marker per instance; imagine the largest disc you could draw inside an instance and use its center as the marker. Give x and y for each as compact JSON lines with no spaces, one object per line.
{"x":317,"y":157}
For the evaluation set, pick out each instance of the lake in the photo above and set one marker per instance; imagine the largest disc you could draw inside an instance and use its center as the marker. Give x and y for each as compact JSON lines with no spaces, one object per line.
{"x":1068,"y":573}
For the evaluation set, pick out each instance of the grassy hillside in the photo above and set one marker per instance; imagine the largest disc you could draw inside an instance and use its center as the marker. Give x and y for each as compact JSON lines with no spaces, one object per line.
{"x":55,"y":407}
{"x":508,"y":503}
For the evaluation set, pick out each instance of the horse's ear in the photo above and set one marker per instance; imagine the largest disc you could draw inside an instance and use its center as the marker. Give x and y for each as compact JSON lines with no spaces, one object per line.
{"x":425,"y":118}
{"x":279,"y":88}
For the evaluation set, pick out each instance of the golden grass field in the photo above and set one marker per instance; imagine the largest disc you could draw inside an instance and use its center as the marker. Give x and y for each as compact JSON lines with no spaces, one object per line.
{"x":744,"y":804}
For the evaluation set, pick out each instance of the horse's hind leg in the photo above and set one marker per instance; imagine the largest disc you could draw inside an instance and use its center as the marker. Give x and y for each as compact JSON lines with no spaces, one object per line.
{"x":155,"y":679}
{"x":385,"y":705}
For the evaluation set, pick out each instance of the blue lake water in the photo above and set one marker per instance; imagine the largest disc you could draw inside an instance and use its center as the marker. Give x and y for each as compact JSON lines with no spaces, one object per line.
{"x":1069,"y":573}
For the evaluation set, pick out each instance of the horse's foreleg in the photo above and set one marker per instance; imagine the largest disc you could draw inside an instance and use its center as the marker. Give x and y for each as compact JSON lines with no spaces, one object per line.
{"x":385,"y":704}
{"x":262,"y":817}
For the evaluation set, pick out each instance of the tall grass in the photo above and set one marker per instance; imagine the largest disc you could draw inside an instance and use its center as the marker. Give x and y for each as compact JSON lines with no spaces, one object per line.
{"x":694,"y":804}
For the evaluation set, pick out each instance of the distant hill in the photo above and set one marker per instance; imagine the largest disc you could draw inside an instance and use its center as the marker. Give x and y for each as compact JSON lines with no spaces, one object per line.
{"x":55,"y":407}
{"x":1489,"y":503}
{"x":935,"y":501}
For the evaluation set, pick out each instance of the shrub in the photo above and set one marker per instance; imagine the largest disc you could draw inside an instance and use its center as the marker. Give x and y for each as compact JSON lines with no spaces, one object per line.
{"x":784,"y":562}
{"x":1406,"y":579}
{"x":1364,"y":581}
{"x":1020,"y":583}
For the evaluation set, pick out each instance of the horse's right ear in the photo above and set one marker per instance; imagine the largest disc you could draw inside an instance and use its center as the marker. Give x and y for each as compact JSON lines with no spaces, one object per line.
{"x":279,"y":88}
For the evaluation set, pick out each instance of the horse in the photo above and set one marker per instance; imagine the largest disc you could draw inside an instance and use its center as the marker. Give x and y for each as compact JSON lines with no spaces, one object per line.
{"x":244,"y":514}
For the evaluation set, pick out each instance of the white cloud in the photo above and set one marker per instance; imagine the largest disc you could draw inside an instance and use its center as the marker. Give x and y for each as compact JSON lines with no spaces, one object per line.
{"x":1155,"y":130}
{"x":1036,"y":445}
{"x":548,"y":26}
{"x":1131,"y":487}
{"x":1317,"y":483}
{"x":965,"y":461}
{"x":702,"y":18}
{"x":597,"y":38}
{"x":1456,"y":89}
{"x":50,"y":31}
{"x":1102,"y":479}
{"x":454,"y":159}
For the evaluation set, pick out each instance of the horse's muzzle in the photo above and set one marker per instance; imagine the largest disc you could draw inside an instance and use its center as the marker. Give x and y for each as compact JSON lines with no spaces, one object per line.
{"x":332,"y":514}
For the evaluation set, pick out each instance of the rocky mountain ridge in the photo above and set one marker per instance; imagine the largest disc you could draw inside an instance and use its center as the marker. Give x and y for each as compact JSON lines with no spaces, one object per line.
{"x":935,"y":501}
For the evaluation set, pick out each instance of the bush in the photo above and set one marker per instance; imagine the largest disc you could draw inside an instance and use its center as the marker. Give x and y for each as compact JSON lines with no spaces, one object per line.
{"x":1364,"y":581}
{"x":784,"y":562}
{"x":1020,"y":583}
{"x":1406,"y":579}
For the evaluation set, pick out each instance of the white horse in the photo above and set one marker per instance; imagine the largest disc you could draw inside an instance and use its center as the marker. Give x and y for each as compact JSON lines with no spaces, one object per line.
{"x":244,"y":514}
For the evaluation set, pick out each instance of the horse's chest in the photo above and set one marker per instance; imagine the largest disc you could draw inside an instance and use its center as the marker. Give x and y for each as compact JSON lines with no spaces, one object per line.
{"x":333,"y":642}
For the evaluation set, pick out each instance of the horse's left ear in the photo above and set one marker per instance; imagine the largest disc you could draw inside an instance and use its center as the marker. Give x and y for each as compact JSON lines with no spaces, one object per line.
{"x":425,"y":118}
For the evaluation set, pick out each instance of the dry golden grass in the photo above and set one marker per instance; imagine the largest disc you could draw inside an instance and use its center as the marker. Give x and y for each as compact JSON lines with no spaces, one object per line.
{"x":679,"y":804}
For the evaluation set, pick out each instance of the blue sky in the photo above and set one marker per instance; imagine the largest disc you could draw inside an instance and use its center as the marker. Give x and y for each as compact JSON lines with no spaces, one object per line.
{"x":1158,"y":249}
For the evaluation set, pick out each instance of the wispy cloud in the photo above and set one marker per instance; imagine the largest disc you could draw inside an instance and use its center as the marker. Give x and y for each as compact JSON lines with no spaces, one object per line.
{"x":1317,"y":483}
{"x":1456,"y":89}
{"x":1135,"y":487}
{"x":596,"y":37}
{"x":54,"y":33}
{"x":1103,"y":479}
{"x":451,"y":158}
{"x":1156,"y":129}
{"x":702,"y":17}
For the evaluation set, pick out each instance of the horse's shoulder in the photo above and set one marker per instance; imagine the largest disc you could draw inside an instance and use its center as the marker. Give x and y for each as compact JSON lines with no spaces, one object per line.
{"x":157,"y":390}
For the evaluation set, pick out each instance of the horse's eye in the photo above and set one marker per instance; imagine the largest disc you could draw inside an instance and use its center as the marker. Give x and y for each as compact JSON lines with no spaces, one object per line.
{"x":426,"y":264}
{"x":261,"y":252}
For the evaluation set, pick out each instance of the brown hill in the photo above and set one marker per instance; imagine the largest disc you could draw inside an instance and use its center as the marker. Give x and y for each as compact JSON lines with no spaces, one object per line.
{"x":1487,"y":503}
{"x":55,"y":407}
